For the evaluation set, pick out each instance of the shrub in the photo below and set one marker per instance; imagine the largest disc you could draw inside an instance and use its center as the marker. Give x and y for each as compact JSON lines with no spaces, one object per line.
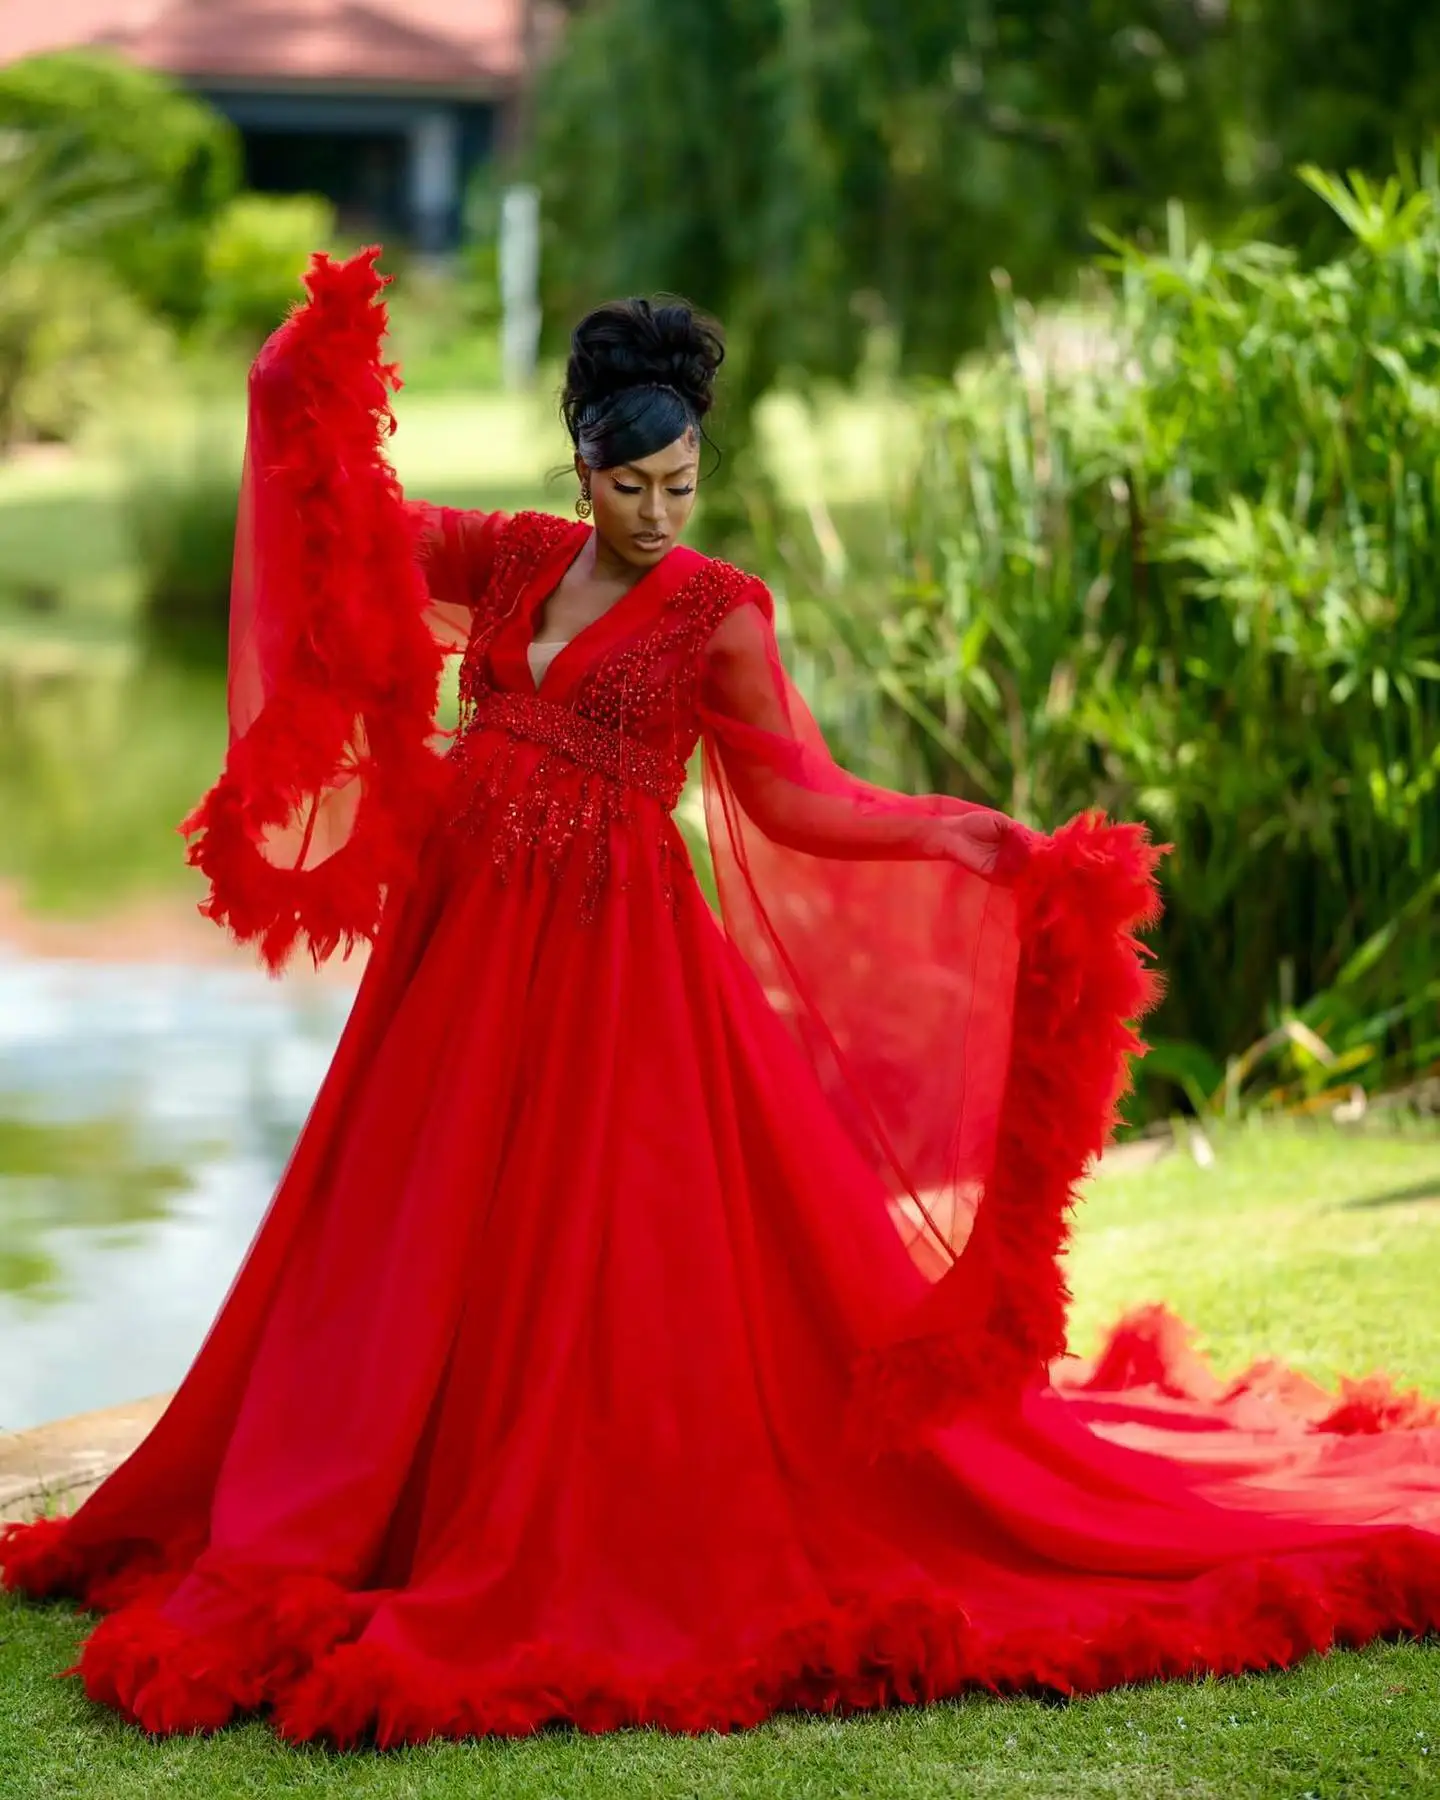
{"x":256,"y":252}
{"x":180,"y":499}
{"x":445,"y":327}
{"x":71,"y":338}
{"x":1179,"y":560}
{"x":117,"y":164}
{"x":108,"y":177}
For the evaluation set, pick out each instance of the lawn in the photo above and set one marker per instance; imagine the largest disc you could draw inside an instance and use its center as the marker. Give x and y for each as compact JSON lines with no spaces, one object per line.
{"x":1316,"y":1245}
{"x":74,"y":698}
{"x":62,"y":515}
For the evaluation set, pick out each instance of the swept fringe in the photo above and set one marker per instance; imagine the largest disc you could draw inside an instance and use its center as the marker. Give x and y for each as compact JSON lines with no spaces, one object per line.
{"x":346,"y":595}
{"x":170,"y":1680}
{"x":898,"y":1651}
{"x":1375,"y":1404}
{"x":1150,"y":1346}
{"x":293,"y":1643}
{"x":993,"y":1323}
{"x":48,"y":1559}
{"x":40,"y":1558}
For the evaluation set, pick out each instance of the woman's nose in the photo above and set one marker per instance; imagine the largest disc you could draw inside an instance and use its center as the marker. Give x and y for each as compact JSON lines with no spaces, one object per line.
{"x":652,"y":508}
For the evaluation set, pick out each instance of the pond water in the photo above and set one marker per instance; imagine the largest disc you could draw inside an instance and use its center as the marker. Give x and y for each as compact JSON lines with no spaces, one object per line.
{"x":146,"y":1113}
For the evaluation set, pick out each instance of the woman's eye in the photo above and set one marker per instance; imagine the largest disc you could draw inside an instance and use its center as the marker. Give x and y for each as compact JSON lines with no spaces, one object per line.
{"x":620,"y":488}
{"x":680,"y":493}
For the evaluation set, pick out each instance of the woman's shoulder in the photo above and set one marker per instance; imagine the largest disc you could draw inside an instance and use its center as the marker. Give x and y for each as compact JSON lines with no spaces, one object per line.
{"x":535,"y":527}
{"x":524,"y":539}
{"x":726,"y":585}
{"x":709,"y":593}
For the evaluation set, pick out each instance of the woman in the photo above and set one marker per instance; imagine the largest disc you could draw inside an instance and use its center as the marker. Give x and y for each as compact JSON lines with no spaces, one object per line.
{"x":653,"y":1322}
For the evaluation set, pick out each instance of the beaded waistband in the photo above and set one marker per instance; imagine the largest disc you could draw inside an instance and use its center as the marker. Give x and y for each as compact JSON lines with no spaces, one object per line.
{"x":616,"y":755}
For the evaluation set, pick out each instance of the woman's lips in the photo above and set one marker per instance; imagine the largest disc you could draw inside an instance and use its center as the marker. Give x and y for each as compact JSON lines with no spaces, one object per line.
{"x":650,"y":540}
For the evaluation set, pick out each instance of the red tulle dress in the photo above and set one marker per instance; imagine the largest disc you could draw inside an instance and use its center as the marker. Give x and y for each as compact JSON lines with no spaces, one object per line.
{"x":658,"y":1319}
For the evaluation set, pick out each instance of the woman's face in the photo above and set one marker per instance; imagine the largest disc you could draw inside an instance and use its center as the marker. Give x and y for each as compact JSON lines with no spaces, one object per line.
{"x":641,"y":508}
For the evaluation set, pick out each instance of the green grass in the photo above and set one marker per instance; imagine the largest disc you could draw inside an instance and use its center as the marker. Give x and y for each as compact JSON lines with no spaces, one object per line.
{"x":100,"y":758}
{"x":62,"y":538}
{"x":62,"y":523}
{"x":1355,"y":1725}
{"x":1316,"y":1244}
{"x":1313,"y":1245}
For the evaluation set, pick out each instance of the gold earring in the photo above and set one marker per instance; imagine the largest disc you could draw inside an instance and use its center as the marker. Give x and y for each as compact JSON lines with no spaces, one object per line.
{"x":583,"y":508}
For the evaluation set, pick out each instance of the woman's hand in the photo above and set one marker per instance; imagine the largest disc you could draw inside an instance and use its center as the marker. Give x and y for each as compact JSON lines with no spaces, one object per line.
{"x":987,"y":842}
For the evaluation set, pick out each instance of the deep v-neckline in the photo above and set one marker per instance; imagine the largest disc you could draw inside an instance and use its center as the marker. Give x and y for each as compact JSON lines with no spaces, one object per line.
{"x":546,"y":582}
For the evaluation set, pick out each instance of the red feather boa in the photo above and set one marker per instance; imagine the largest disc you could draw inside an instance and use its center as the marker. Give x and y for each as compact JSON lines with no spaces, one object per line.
{"x":343,"y":604}
{"x":993,"y":1323}
{"x":294,"y":1650}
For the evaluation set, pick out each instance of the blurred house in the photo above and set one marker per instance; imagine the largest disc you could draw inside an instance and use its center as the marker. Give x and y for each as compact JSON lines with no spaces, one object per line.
{"x":385,"y":106}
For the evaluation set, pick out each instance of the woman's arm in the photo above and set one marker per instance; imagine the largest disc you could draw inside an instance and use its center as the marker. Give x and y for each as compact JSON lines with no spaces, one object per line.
{"x":776,"y":764}
{"x":334,"y":668}
{"x":456,"y":550}
{"x":455,"y":546}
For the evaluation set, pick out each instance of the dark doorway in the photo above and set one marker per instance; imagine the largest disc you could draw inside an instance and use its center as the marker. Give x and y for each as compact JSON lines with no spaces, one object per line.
{"x":362,"y":172}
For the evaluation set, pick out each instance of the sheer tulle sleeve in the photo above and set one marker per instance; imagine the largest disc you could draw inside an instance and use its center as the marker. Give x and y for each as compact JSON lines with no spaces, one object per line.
{"x":456,"y":549}
{"x":343,"y":601}
{"x":972,"y":1031}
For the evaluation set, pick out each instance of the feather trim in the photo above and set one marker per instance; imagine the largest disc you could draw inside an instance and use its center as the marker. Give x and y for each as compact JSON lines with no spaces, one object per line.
{"x":353,"y":662}
{"x":993,"y":1323}
{"x":295,"y":1642}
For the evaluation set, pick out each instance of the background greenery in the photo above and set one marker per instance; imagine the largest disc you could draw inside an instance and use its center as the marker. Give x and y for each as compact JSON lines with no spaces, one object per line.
{"x":1086,"y":430}
{"x":1087,"y":433}
{"x":1173,"y":554}
{"x":813,"y":168}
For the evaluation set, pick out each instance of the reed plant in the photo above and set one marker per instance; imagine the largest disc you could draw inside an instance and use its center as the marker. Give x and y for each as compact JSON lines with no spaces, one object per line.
{"x":1174,"y":554}
{"x":181,"y":487}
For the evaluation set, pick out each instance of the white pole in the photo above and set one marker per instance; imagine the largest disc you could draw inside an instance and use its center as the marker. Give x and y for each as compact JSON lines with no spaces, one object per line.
{"x":520,"y":284}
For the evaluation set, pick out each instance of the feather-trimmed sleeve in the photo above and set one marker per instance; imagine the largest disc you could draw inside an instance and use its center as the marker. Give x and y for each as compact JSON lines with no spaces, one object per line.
{"x":334,"y":655}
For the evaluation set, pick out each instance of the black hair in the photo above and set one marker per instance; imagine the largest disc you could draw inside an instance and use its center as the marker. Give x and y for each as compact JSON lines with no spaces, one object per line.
{"x":639,"y":376}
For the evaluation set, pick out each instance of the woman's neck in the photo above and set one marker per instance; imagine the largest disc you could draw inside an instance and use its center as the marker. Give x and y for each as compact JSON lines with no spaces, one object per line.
{"x":603,"y":564}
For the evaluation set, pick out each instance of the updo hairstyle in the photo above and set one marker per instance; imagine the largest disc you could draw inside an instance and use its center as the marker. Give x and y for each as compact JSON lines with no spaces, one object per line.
{"x":639,"y":377}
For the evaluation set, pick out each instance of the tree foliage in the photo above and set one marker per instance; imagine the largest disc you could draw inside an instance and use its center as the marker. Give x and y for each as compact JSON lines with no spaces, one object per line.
{"x":107,"y":161}
{"x":1343,"y":84}
{"x":813,"y":169}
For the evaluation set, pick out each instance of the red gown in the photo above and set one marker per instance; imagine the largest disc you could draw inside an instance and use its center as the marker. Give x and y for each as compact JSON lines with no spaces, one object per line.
{"x":657,"y":1319}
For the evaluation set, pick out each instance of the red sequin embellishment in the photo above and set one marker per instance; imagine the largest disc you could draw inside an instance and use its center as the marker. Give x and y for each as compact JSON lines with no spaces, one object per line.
{"x":584,"y":742}
{"x":628,"y":731}
{"x":542,"y":811}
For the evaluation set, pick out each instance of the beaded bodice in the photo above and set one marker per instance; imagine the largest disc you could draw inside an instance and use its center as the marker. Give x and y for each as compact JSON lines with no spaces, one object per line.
{"x":605,"y":737}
